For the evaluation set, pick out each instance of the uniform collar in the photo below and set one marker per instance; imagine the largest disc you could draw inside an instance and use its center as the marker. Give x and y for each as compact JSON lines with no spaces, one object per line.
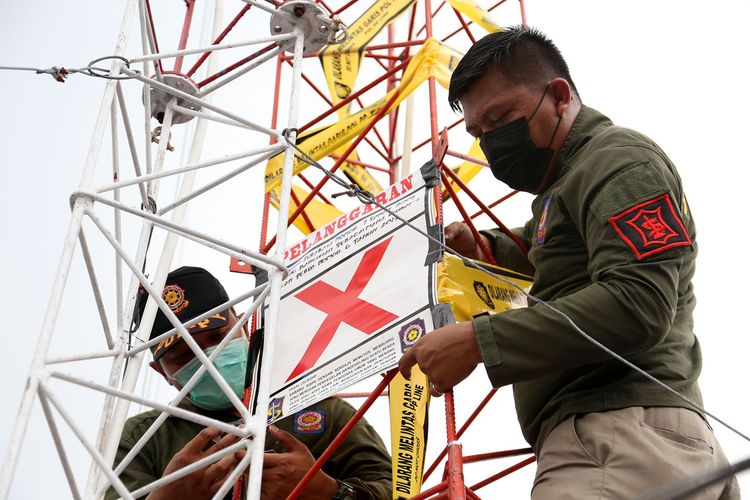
{"x":587,"y":125}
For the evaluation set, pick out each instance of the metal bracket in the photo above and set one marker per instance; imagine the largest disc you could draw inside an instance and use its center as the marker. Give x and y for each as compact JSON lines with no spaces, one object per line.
{"x":160,"y":99}
{"x":319,"y":29}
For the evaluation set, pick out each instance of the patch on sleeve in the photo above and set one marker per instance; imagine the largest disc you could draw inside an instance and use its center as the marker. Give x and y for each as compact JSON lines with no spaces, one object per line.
{"x":651,"y":227}
{"x":310,"y":422}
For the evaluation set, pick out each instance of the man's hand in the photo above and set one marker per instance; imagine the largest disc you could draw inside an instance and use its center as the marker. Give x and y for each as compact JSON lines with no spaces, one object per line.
{"x":203,"y":483}
{"x":446,"y":355}
{"x":459,"y":238}
{"x":282,"y":471}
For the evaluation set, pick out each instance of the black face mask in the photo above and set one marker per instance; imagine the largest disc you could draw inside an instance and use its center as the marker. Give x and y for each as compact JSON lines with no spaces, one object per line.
{"x":513,"y":157}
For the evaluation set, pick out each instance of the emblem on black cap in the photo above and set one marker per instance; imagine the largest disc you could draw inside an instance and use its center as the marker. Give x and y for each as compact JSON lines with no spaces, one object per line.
{"x":174,"y":296}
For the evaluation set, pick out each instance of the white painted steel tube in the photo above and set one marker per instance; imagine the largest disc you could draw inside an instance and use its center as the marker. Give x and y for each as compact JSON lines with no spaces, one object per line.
{"x":188,"y":469}
{"x":45,"y":335}
{"x":216,"y":182}
{"x":83,"y":357}
{"x":226,"y":305}
{"x":183,"y":392}
{"x":212,"y":48}
{"x":272,"y":149}
{"x":256,"y":463}
{"x":131,"y":143}
{"x":177,"y":412}
{"x":59,"y":446}
{"x":201,"y":102}
{"x":244,"y":254}
{"x":208,"y":116}
{"x":95,"y":287}
{"x":116,"y":483}
{"x":239,"y":72}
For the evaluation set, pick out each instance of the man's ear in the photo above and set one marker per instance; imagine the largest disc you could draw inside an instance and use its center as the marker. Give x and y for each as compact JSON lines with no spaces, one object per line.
{"x":239,"y":317}
{"x":156,"y":366}
{"x":563,"y":94}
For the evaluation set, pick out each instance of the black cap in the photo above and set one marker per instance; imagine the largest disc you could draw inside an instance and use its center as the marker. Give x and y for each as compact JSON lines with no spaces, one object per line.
{"x":189,"y":292}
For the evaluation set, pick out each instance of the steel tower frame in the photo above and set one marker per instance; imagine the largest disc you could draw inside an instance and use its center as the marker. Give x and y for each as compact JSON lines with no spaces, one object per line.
{"x":181,"y":102}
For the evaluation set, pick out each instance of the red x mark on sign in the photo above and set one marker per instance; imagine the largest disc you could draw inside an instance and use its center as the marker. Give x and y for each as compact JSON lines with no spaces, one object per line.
{"x":344,"y":307}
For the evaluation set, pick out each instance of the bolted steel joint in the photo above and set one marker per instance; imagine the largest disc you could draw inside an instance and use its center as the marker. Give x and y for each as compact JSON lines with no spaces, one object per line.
{"x":317,"y":27}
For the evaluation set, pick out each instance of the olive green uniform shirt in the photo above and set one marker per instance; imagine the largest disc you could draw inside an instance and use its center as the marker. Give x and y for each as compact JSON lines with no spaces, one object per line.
{"x":612,"y":245}
{"x":361,"y":460}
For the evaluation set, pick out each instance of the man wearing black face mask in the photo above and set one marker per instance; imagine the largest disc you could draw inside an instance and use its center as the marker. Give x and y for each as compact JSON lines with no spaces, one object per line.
{"x":612,"y":246}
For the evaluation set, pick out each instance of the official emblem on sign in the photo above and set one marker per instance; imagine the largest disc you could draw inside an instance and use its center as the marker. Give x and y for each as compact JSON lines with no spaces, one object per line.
{"x":310,"y":422}
{"x":483,"y":294}
{"x":541,"y":230}
{"x":275,"y":409}
{"x":174,"y":296}
{"x":410,"y":333}
{"x":651,"y":227}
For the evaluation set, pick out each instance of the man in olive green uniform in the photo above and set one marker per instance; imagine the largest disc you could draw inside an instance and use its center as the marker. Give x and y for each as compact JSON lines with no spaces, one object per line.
{"x":612,"y":246}
{"x":359,"y":468}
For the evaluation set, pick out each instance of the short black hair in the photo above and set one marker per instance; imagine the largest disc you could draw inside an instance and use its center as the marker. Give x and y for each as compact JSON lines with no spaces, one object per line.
{"x":524,"y":55}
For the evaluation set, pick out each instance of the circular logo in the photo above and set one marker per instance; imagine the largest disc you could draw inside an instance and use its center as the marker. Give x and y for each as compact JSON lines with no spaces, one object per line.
{"x":174,"y":296}
{"x":309,"y":419}
{"x":413,"y":332}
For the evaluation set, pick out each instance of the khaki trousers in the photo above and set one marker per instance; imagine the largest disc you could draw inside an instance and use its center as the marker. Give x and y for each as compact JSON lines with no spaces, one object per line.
{"x":627,"y":453}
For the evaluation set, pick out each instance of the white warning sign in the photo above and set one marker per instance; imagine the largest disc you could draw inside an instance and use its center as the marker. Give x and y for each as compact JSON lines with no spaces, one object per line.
{"x":359,"y":291}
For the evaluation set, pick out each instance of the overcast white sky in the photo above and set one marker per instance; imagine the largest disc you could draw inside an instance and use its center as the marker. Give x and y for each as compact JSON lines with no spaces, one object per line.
{"x":675,"y":70}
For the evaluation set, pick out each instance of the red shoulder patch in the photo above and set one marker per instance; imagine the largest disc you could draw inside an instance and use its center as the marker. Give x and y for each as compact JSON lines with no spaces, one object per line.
{"x":651,"y":227}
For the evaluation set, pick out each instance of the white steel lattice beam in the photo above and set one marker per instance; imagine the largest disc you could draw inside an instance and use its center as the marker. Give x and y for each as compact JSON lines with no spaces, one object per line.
{"x":149,"y":170}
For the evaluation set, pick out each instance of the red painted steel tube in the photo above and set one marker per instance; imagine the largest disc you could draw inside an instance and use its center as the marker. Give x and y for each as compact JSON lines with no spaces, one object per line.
{"x":153,"y":33}
{"x":352,"y":97}
{"x":468,"y":158}
{"x":236,"y":65}
{"x":310,"y":185}
{"x":274,"y":121}
{"x":330,"y":103}
{"x":321,"y":2}
{"x":305,"y":217}
{"x":411,"y":24}
{"x":471,"y":494}
{"x":185,"y":33}
{"x":344,"y":7}
{"x":456,"y":487}
{"x":524,"y":248}
{"x":471,"y":22}
{"x":338,"y":163}
{"x":477,"y":237}
{"x":503,"y":473}
{"x":430,"y":491}
{"x":344,"y":395}
{"x":427,"y":141}
{"x":221,"y":37}
{"x":465,"y":26}
{"x":480,"y":457}
{"x":523,"y":13}
{"x":384,"y":56}
{"x":341,"y":435}
{"x":361,"y":163}
{"x":394,"y":45}
{"x":424,"y":26}
{"x":461,"y":431}
{"x":495,"y":203}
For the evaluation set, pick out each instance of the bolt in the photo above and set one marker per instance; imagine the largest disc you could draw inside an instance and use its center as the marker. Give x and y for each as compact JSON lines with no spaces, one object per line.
{"x":299,"y":10}
{"x":277,"y":29}
{"x":179,"y":84}
{"x":323,"y":28}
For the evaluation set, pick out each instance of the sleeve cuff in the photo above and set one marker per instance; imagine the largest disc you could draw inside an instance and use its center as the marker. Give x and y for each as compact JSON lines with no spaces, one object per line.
{"x":486,"y":340}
